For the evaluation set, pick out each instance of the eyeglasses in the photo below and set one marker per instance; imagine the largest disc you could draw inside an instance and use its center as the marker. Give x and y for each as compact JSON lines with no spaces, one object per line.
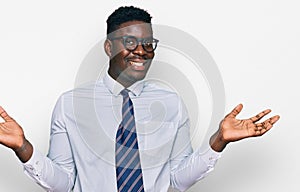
{"x":131,"y":43}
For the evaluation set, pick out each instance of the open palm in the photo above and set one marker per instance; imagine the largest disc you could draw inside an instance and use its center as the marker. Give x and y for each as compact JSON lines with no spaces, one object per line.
{"x":11,"y":133}
{"x":235,"y":129}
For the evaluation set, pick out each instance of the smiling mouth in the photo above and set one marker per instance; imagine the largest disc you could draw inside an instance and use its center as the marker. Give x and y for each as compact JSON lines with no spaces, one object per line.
{"x":139,"y":66}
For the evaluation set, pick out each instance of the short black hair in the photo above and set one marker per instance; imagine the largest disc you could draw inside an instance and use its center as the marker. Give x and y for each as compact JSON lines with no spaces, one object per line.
{"x":125,"y":14}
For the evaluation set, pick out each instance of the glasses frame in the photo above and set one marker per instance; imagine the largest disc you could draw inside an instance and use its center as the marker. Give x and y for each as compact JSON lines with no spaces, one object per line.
{"x":139,"y":40}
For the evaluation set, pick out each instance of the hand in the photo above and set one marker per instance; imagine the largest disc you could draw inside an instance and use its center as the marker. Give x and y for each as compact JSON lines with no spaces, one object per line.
{"x":12,"y":136}
{"x":232,"y":129}
{"x":11,"y":133}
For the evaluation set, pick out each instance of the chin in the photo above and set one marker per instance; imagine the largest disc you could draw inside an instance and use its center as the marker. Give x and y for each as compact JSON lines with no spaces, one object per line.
{"x":141,"y":76}
{"x":138,"y":78}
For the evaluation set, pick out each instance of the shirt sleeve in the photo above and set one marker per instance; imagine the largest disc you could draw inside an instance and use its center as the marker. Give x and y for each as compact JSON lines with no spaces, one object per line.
{"x":55,"y":172}
{"x":188,"y":167}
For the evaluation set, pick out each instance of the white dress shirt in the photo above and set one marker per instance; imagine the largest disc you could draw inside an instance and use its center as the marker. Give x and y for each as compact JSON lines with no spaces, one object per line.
{"x":81,"y":156}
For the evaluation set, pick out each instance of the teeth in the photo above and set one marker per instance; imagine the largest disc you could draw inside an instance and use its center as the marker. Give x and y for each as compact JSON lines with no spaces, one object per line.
{"x":136,"y":63}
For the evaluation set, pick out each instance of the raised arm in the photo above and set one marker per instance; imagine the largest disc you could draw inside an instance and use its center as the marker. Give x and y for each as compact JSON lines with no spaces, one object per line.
{"x":56,"y":174}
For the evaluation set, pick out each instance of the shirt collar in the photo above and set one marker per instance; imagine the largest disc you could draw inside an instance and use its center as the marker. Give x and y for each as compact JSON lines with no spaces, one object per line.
{"x":115,"y":87}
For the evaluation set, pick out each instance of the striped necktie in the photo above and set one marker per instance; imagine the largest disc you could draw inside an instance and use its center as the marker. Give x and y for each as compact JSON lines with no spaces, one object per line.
{"x":128,"y":165}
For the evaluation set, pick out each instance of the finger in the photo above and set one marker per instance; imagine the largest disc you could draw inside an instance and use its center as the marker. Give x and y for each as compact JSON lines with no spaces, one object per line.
{"x":266,"y":125}
{"x":4,"y":115}
{"x":261,"y":129}
{"x":236,"y":111}
{"x":260,"y":115}
{"x":274,"y":119}
{"x":261,"y":132}
{"x":270,"y":121}
{"x":263,"y":125}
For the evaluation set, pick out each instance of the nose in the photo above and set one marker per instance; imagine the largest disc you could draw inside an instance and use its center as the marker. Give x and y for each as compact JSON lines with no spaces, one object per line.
{"x":139,"y":50}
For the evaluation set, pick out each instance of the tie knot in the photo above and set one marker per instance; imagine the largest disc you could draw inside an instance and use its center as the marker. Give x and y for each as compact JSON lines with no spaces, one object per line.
{"x":124,"y":93}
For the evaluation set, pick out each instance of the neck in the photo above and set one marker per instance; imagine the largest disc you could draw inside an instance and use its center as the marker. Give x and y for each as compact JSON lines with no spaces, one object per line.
{"x":122,"y":80}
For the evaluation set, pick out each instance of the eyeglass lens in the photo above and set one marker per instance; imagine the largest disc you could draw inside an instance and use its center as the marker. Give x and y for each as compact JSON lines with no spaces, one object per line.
{"x":131,"y":43}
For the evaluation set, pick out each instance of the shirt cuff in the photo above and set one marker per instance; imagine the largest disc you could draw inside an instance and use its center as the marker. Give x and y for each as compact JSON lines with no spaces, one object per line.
{"x":33,"y":167}
{"x":210,"y":157}
{"x":35,"y":157}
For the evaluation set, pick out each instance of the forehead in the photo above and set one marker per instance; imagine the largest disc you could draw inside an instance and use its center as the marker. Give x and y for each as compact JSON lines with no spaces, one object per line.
{"x":134,"y":28}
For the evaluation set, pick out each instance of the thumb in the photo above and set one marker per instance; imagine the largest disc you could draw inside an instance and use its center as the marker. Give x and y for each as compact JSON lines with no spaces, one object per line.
{"x":236,"y":111}
{"x":4,"y":115}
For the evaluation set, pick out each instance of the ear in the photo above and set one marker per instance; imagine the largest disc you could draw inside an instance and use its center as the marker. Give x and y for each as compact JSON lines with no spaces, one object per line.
{"x":108,"y":47}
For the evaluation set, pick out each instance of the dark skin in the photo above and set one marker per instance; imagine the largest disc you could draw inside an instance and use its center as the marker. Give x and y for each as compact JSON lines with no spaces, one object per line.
{"x":120,"y":67}
{"x":232,"y":129}
{"x":128,"y":67}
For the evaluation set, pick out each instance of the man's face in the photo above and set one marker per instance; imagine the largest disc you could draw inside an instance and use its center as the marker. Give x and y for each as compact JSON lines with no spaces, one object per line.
{"x":126,"y":66}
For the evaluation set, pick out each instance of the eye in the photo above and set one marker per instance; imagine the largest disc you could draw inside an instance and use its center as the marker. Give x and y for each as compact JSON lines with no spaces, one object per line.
{"x":130,"y":41}
{"x":148,"y":42}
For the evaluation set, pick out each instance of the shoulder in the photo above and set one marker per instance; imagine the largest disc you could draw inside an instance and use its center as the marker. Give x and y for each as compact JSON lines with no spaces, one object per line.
{"x":86,"y":90}
{"x":80,"y":94}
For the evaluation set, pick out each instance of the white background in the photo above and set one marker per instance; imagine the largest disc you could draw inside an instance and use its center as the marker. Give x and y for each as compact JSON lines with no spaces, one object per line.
{"x":256,"y":45}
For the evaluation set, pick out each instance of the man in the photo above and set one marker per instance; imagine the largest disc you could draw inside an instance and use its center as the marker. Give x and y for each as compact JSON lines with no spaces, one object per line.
{"x":105,"y":138}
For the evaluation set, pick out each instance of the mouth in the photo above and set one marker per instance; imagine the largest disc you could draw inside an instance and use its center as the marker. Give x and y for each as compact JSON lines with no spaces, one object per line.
{"x":138,"y":65}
